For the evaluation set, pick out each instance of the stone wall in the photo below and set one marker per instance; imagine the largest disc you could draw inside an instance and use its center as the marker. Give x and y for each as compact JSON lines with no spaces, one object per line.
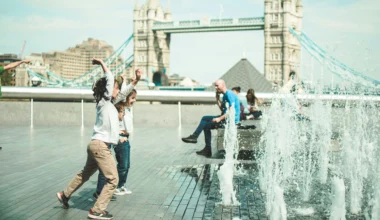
{"x":70,"y":113}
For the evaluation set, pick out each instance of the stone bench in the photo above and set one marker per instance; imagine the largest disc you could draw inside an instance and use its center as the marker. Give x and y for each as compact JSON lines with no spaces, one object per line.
{"x":248,"y":138}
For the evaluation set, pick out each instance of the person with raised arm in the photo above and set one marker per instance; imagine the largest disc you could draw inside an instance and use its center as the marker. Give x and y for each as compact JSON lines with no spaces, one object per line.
{"x":122,"y":149}
{"x":10,"y":66}
{"x":99,"y":155}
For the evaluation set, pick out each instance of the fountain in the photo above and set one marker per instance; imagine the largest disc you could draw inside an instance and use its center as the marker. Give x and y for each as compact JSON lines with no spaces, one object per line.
{"x":338,"y":207}
{"x":226,"y":172}
{"x":300,"y":157}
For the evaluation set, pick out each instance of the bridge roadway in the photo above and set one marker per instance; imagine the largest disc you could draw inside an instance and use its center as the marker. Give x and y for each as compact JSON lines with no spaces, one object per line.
{"x":210,"y":25}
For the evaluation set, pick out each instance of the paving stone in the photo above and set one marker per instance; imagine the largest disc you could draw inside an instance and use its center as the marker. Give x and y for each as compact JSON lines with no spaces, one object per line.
{"x":168,"y":180}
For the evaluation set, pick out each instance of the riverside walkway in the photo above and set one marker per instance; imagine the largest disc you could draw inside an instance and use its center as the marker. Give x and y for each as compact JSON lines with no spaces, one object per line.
{"x":167,"y":178}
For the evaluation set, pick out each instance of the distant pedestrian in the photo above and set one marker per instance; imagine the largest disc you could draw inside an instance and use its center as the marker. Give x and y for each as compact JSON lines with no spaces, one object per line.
{"x":8,"y":67}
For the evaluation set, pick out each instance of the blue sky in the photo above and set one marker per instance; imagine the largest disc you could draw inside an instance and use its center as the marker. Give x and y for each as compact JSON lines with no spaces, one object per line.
{"x":346,"y":28}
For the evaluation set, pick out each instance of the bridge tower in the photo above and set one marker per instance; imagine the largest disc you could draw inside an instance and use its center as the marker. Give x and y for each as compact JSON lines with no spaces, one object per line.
{"x":151,"y":48}
{"x":282,"y":50}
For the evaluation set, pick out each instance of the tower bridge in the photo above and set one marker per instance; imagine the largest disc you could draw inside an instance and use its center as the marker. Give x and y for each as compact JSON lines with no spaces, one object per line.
{"x":154,"y":27}
{"x":210,"y":25}
{"x":283,"y":38}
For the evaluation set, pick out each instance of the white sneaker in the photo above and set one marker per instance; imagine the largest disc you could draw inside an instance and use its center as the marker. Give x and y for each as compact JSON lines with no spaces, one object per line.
{"x":125,"y":190}
{"x":119,"y":192}
{"x":249,"y":117}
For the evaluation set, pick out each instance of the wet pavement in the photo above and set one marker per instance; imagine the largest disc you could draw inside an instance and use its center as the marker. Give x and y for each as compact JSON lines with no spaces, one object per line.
{"x":167,"y":178}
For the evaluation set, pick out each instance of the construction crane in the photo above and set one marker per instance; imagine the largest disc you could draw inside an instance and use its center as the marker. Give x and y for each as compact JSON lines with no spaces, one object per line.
{"x":22,"y":50}
{"x":20,"y":56}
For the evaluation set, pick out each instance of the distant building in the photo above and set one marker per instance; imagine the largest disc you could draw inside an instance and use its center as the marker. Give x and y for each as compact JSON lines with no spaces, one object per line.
{"x":177,"y":80}
{"x":8,"y":58}
{"x":36,"y":65}
{"x":151,"y":48}
{"x":76,"y":61}
{"x":245,"y":75}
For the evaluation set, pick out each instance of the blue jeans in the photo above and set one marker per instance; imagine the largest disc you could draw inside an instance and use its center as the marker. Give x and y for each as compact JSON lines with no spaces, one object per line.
{"x":205,"y":125}
{"x":123,"y":158}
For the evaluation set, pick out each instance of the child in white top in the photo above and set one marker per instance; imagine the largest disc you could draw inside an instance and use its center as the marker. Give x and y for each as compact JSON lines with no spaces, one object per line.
{"x":128,"y":117}
{"x":122,"y":148}
{"x":99,"y":155}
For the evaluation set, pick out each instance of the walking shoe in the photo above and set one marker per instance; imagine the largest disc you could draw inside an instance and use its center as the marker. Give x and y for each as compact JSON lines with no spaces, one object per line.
{"x":125,"y":190}
{"x":63,"y":199}
{"x":95,"y":215}
{"x":191,"y":139}
{"x":119,"y":192}
{"x":96,"y":195}
{"x":205,"y":152}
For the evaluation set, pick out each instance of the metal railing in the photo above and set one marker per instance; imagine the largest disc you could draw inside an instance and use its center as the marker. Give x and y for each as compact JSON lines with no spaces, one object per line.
{"x":62,"y":94}
{"x":178,"y":97}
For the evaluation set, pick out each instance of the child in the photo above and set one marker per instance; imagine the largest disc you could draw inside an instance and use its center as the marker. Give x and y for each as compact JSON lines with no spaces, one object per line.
{"x":99,"y":155}
{"x":128,"y":118}
{"x":128,"y":125}
{"x":123,"y":149}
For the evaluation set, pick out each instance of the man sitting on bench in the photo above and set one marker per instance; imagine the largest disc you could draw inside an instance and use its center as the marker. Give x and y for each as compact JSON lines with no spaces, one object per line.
{"x":211,"y":122}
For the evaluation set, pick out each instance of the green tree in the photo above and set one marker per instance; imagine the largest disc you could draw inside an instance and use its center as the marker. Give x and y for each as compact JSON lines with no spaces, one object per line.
{"x":6,"y":78}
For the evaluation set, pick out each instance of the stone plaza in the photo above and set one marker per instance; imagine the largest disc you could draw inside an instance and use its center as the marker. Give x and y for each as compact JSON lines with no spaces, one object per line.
{"x":167,"y":178}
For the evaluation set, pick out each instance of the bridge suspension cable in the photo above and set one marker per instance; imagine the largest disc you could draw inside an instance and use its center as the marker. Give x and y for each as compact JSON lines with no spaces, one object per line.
{"x":334,"y":65}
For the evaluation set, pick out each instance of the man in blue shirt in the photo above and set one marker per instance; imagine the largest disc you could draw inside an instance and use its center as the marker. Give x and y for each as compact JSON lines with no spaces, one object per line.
{"x":210,"y":122}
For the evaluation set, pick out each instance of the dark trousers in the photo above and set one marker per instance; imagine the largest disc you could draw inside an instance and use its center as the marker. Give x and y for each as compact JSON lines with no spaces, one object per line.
{"x":123,"y":158}
{"x":205,"y":125}
{"x":257,"y":114}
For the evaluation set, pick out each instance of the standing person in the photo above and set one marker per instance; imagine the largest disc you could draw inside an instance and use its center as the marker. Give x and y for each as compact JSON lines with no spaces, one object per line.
{"x":125,"y":151}
{"x":10,"y":66}
{"x":126,"y":91}
{"x":123,"y":148}
{"x":253,"y":103}
{"x":210,"y":122}
{"x":99,"y":155}
{"x":128,"y":118}
{"x":294,"y":87}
